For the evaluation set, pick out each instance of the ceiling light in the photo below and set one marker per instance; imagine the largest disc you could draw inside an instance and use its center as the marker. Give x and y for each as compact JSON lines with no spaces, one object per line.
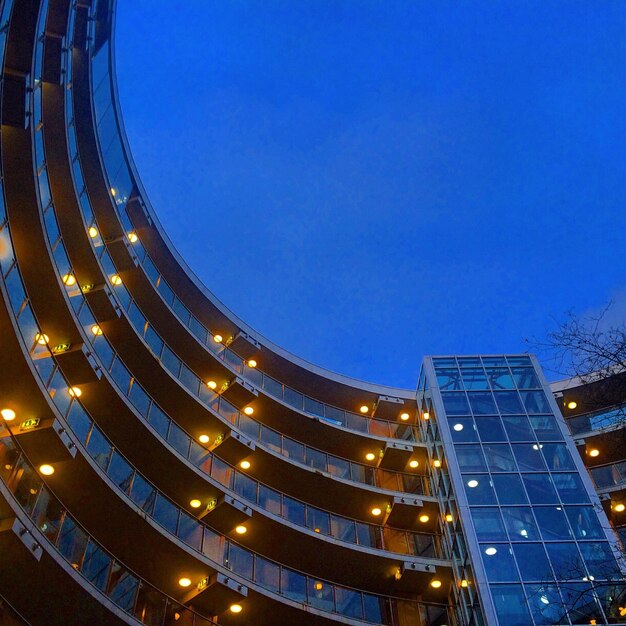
{"x":184,"y":582}
{"x":370,"y":456}
{"x":404,"y":416}
{"x":96,"y":330}
{"x":413,"y":464}
{"x":364,"y":409}
{"x":458,"y":427}
{"x":572,"y":404}
{"x":424,"y":518}
{"x":236,"y":608}
{"x":46,"y":470}
{"x":245,"y":465}
{"x":93,"y":232}
{"x":8,"y":414}
{"x":252,"y":363}
{"x":195,"y":504}
{"x":204,"y":439}
{"x":69,"y":279}
{"x":426,"y":415}
{"x":376,"y":511}
{"x":42,"y":339}
{"x":218,"y":338}
{"x":113,"y":191}
{"x":464,"y":583}
{"x":132,"y":237}
{"x":594,"y":452}
{"x":537,"y":447}
{"x":472,"y":483}
{"x":75,"y":392}
{"x":116,"y":279}
{"x":449,"y":517}
{"x":240,"y":530}
{"x":490,"y":551}
{"x":318,"y":586}
{"x":620,"y":507}
{"x":248,"y":410}
{"x":437,"y":463}
{"x":211,"y":384}
{"x":435,"y":584}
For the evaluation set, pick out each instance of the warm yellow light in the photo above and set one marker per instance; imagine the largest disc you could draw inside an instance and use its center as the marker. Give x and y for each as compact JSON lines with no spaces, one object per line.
{"x":240,"y":530}
{"x":426,"y":415}
{"x":211,"y":384}
{"x":318,"y":586}
{"x":184,"y":582}
{"x":96,"y":330}
{"x":8,"y":414}
{"x":75,"y":392}
{"x":218,"y":338}
{"x":42,"y":339}
{"x":413,"y":464}
{"x":69,"y":279}
{"x":437,"y":463}
{"x":113,"y":192}
{"x":594,"y":452}
{"x":204,"y":439}
{"x":195,"y":504}
{"x":245,"y":465}
{"x":449,"y":517}
{"x":572,"y":404}
{"x":236,"y":608}
{"x":248,"y":410}
{"x":364,"y":409}
{"x":132,"y":237}
{"x":404,"y":416}
{"x":435,"y":584}
{"x":46,"y":470}
{"x":464,"y":583}
{"x":370,"y":456}
{"x":620,"y":507}
{"x":116,"y":279}
{"x":376,"y":511}
{"x":424,"y":518}
{"x":252,"y":363}
{"x":93,"y":232}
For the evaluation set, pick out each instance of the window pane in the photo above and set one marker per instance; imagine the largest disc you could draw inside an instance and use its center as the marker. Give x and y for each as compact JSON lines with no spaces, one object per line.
{"x":499,"y":458}
{"x":498,"y":561}
{"x":490,"y":429}
{"x":520,"y":523}
{"x":510,"y":605}
{"x":488,"y":524}
{"x":540,"y":489}
{"x":532,"y":562}
{"x":509,"y":489}
{"x":479,"y":489}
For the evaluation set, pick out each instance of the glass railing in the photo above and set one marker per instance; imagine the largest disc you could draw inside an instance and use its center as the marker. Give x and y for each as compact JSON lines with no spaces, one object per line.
{"x":120,"y":188}
{"x":612,"y":475}
{"x":600,"y":420}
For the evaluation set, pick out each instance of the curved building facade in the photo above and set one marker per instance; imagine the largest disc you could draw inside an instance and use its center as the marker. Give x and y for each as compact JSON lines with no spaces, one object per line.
{"x":162,"y":463}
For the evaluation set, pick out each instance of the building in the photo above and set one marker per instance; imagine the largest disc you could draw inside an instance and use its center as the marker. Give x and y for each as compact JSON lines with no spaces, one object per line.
{"x":161,"y":463}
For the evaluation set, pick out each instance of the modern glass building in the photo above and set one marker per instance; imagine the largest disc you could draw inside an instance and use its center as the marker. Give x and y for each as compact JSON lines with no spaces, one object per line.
{"x":162,"y":463}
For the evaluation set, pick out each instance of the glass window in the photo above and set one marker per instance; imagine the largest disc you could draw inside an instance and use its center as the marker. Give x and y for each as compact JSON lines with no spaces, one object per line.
{"x":293,"y":510}
{"x":518,"y":428}
{"x":525,"y":378}
{"x":349,"y":602}
{"x":540,"y":489}
{"x":470,"y":458}
{"x":510,"y":605}
{"x":474,"y":378}
{"x":552,"y":522}
{"x":482,"y":403}
{"x":500,"y":378}
{"x":532,"y":562}
{"x":581,"y":603}
{"x":267,"y":574}
{"x":479,"y":489}
{"x":293,"y":585}
{"x":462,"y":429}
{"x":570,"y":488}
{"x":499,"y":457}
{"x":520,"y":523}
{"x":557,"y":457}
{"x":600,"y":560}
{"x":566,"y":561}
{"x":96,"y":565}
{"x":545,"y":604}
{"x":240,"y":561}
{"x":528,"y":456}
{"x":120,"y":472}
{"x":488,"y":524}
{"x":490,"y":429}
{"x":498,"y":561}
{"x":166,"y":514}
{"x":535,"y":401}
{"x":584,"y":522}
{"x":546,"y":428}
{"x":508,"y":402}
{"x":99,"y":448}
{"x":455,"y":403}
{"x":509,"y":489}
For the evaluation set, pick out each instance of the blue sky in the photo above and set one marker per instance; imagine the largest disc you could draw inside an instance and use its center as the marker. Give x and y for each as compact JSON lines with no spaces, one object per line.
{"x":368,"y":182}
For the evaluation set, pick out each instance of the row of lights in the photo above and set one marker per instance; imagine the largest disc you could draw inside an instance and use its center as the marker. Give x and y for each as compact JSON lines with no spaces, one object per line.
{"x":186,"y":582}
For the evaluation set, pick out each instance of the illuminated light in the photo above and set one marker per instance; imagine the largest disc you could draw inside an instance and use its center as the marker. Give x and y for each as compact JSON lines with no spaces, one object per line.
{"x":523,"y":533}
{"x":241,"y":530}
{"x":458,"y":427}
{"x":113,"y":192}
{"x":464,"y":583}
{"x":42,"y":339}
{"x":252,"y":363}
{"x":572,"y":404}
{"x":413,"y":464}
{"x":132,"y":237}
{"x":8,"y":414}
{"x":236,"y":608}
{"x":437,"y":463}
{"x":318,"y":586}
{"x":472,"y":483}
{"x":426,"y":415}
{"x":317,"y":530}
{"x":93,"y":232}
{"x":248,"y":410}
{"x":622,"y":611}
{"x":195,"y":504}
{"x":404,"y":416}
{"x":376,"y":511}
{"x":69,"y":279}
{"x":424,"y":518}
{"x":435,"y":584}
{"x":218,"y":338}
{"x":184,"y":582}
{"x":176,"y":616}
{"x":537,"y":447}
{"x":594,"y":452}
{"x":490,"y":551}
{"x":211,"y":384}
{"x":75,"y":392}
{"x":8,"y":466}
{"x":620,"y":508}
{"x":204,"y":439}
{"x":116,"y":279}
{"x":544,"y":599}
{"x":46,"y":470}
{"x":33,"y":491}
{"x":245,"y":465}
{"x":398,"y":574}
{"x":370,"y":456}
{"x":96,"y":330}
{"x":449,"y":517}
{"x":364,"y":409}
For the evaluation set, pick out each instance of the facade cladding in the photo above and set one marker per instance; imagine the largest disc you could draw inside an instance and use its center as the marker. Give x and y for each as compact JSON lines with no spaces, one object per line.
{"x":160,"y":463}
